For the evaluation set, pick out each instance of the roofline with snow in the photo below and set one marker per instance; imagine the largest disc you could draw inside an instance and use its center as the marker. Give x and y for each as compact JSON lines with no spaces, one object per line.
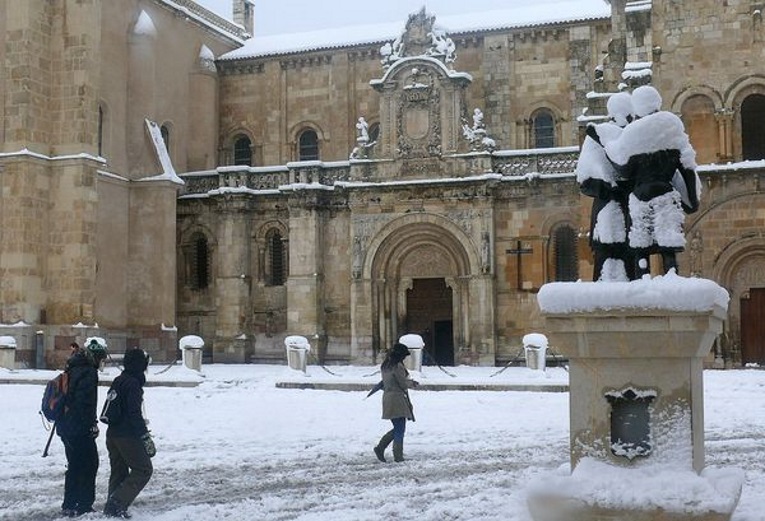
{"x":465,"y":33}
{"x":215,"y":24}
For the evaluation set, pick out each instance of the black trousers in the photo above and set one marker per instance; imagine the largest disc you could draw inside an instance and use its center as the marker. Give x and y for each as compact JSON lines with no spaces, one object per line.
{"x":131,"y":468}
{"x":81,"y":470}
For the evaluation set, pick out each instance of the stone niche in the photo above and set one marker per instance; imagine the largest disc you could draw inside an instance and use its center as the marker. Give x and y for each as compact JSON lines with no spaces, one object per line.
{"x":636,"y":404}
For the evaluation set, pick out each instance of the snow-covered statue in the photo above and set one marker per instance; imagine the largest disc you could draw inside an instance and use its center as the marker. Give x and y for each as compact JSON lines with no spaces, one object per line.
{"x":598,"y":179}
{"x":477,"y":135}
{"x":441,"y":46}
{"x":655,"y":154}
{"x":391,"y":52}
{"x":361,"y":150}
{"x":420,"y":37}
{"x":363,"y":130}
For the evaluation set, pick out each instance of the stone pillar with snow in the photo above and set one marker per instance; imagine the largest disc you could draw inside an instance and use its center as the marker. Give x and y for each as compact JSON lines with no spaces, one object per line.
{"x":636,"y":352}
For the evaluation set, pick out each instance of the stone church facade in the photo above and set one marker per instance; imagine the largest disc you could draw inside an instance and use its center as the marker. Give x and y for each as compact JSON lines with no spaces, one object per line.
{"x":289,"y":215}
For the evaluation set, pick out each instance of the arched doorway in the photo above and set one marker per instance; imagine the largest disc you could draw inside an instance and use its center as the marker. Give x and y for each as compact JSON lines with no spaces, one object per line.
{"x":741,"y":270}
{"x":422,"y":257}
{"x":429,"y":313}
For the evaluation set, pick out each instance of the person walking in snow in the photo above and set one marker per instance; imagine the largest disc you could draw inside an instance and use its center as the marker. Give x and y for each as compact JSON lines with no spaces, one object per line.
{"x":78,"y":429}
{"x":597,"y":178}
{"x":396,"y":405}
{"x":128,"y":440}
{"x":654,"y":152}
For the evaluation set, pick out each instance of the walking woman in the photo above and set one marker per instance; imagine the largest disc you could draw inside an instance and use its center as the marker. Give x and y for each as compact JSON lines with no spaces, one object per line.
{"x":396,"y":404}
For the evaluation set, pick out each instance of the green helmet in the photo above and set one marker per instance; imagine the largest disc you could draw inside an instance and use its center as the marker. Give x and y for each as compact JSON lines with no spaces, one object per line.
{"x":97,"y":350}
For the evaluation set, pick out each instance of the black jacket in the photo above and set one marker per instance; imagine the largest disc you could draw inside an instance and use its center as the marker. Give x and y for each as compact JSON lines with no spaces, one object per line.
{"x":81,"y":400}
{"x":129,"y":387}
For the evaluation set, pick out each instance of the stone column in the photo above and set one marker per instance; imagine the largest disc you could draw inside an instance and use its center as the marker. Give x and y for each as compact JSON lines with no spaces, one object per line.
{"x":232,"y":282}
{"x":305,"y":314}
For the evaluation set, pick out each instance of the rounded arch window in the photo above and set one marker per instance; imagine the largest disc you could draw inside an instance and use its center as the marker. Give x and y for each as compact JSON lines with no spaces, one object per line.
{"x":565,"y":253}
{"x":543,"y":129}
{"x":374,"y":132}
{"x":198,"y":262}
{"x":752,"y":137}
{"x":276,"y":260}
{"x":698,"y":113}
{"x":242,"y":150}
{"x":308,"y":146}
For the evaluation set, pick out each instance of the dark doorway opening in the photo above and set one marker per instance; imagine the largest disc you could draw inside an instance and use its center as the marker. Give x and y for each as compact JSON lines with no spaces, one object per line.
{"x":429,"y":314}
{"x":753,"y":327}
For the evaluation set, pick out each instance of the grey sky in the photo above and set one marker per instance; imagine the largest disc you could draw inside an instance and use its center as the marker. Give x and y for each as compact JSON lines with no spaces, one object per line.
{"x":288,"y":16}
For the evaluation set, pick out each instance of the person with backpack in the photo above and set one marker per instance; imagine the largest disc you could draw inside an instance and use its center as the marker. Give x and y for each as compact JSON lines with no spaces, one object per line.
{"x":396,"y":405}
{"x":128,"y":439}
{"x":78,"y":429}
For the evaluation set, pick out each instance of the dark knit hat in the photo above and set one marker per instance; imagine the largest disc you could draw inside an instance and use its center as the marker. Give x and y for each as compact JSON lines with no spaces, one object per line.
{"x":399,"y":351}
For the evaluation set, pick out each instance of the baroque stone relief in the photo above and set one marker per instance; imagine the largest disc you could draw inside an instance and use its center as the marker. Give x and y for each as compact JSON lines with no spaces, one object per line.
{"x":418,"y":115}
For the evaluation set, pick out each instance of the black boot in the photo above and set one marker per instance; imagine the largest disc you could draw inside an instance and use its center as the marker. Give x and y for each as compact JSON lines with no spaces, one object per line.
{"x":114,"y":508}
{"x":383,"y":444}
{"x":398,"y":451}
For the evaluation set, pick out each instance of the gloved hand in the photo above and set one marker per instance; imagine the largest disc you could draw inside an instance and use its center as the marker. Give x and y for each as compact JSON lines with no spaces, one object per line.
{"x":94,"y":431}
{"x":148,"y":444}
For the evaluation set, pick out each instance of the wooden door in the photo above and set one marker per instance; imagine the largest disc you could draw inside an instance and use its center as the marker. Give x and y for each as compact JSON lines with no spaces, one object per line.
{"x":753,"y":327}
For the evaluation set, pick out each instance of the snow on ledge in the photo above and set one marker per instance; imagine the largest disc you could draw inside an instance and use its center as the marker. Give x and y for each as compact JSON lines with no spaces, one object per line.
{"x":669,"y":292}
{"x":647,"y":487}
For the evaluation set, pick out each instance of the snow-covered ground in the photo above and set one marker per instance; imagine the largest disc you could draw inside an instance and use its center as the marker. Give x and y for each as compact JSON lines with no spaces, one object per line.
{"x":238,"y":448}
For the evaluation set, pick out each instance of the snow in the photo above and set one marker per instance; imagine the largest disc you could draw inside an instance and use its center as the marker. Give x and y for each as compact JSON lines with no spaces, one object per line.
{"x":664,"y":292}
{"x":7,"y":342}
{"x":191,"y":342}
{"x":236,"y":448}
{"x":657,"y":131}
{"x":412,"y":341}
{"x":531,"y":14}
{"x":144,"y":26}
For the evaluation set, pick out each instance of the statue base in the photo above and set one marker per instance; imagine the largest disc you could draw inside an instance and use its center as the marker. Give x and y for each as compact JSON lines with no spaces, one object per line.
{"x":636,"y":401}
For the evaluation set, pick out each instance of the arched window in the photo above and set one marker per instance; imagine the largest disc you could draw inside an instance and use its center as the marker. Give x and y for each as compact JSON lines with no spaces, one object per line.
{"x":752,"y":136}
{"x":308,"y":146}
{"x":374,"y":132}
{"x":565,"y":254}
{"x":242,"y":151}
{"x":199,"y":262}
{"x":276,"y":260}
{"x":701,"y":126}
{"x":543,"y":129}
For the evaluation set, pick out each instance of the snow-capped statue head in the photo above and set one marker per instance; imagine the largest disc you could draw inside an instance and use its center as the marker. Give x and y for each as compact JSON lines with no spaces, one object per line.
{"x":646,"y":100}
{"x":620,"y":108}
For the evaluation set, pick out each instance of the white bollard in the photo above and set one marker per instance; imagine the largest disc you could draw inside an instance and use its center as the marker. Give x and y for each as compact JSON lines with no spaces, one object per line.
{"x":535,"y":348}
{"x":415,"y":343}
{"x":191,"y":348}
{"x":297,"y":352}
{"x":7,"y":352}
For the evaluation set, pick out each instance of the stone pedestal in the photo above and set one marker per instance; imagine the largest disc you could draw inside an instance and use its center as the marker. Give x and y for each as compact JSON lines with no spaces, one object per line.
{"x":636,"y":406}
{"x":7,"y":352}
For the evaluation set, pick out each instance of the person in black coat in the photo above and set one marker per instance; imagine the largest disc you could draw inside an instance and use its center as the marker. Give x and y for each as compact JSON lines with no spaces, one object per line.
{"x":128,"y":439}
{"x":597,"y":178}
{"x":78,"y":429}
